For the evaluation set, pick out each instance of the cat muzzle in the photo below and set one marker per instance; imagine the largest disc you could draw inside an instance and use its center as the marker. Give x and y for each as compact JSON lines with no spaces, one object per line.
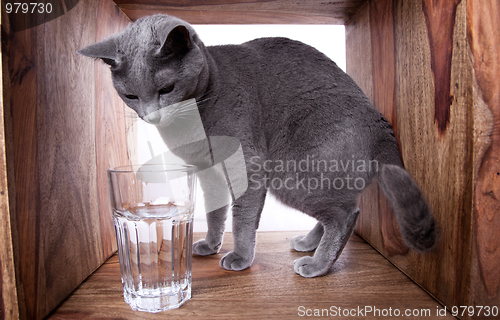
{"x":153,"y":117}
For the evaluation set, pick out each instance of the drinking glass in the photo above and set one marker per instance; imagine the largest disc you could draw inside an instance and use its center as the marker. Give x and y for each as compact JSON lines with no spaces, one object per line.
{"x":153,"y":209}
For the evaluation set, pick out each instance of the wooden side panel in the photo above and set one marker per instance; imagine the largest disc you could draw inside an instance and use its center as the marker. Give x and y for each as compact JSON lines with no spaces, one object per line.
{"x":359,"y":63}
{"x":359,"y":50}
{"x":372,"y":65}
{"x":407,"y":61}
{"x":9,"y":308}
{"x":438,"y":153}
{"x":384,"y":98}
{"x":246,"y":12}
{"x":68,"y":207}
{"x":111,"y":123}
{"x":63,"y":140}
{"x":21,"y":50}
{"x":484,"y":38}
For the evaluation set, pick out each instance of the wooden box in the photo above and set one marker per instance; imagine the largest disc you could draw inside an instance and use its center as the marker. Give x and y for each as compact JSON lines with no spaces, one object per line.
{"x":432,"y":68}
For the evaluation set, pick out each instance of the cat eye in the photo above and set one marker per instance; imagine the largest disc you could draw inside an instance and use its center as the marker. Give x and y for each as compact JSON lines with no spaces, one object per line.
{"x":166,"y":90}
{"x":131,"y":97}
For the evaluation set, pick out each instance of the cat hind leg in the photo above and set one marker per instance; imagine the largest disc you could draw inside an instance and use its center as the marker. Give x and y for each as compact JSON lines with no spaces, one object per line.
{"x":335,"y":237}
{"x":309,"y":242}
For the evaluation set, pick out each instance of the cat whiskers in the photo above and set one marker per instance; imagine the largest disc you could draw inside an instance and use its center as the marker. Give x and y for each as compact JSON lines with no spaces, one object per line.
{"x":185,"y":111}
{"x":205,"y":97}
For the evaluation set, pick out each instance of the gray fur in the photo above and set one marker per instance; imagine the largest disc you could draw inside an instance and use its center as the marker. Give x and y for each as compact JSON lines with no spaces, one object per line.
{"x":284,"y":101}
{"x":417,"y":225}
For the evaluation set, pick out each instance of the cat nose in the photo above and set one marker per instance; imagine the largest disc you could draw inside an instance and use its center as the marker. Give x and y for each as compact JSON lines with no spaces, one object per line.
{"x":153,"y":118}
{"x":151,"y":112}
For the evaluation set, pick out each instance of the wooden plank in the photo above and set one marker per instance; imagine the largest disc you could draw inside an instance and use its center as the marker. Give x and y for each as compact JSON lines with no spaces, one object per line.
{"x":440,"y":161}
{"x":93,"y":131}
{"x":483,"y":25}
{"x":384,"y":99}
{"x":373,"y":68}
{"x":246,"y":12}
{"x":9,"y":308}
{"x":69,"y":229}
{"x":21,"y":51}
{"x":372,"y":64}
{"x":233,"y":17}
{"x":60,"y":237}
{"x":359,"y":63}
{"x":111,"y":118}
{"x":359,"y":57}
{"x":269,"y":289}
{"x":440,"y":21}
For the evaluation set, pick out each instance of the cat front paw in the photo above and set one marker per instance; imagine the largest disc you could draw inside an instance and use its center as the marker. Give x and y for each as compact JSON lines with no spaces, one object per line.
{"x":235,"y":262}
{"x":300,"y":243}
{"x":203,"y":248}
{"x":308,"y":267}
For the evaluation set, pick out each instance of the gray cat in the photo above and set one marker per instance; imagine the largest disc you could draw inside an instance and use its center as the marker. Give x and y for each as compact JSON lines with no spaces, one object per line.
{"x":308,"y":133}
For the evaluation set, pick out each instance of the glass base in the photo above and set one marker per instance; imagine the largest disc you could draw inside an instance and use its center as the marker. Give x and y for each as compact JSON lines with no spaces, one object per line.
{"x":156,"y":302}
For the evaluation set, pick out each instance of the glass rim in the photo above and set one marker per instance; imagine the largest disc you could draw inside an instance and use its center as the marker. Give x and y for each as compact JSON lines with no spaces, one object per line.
{"x":159,"y":167}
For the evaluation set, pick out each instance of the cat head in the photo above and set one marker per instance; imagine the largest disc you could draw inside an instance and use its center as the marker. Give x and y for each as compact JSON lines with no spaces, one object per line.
{"x":155,"y":63}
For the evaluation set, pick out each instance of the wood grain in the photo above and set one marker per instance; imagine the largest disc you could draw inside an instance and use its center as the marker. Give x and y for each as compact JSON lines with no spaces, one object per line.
{"x":8,"y":289}
{"x":384,"y":99}
{"x":60,"y":235}
{"x":111,"y":123}
{"x":359,"y":63}
{"x":21,"y":51}
{"x":246,"y":12}
{"x":484,"y":37}
{"x":440,"y":164}
{"x":440,"y":20}
{"x":373,"y":67}
{"x":268,"y":289}
{"x":65,"y":122}
{"x":68,"y":210}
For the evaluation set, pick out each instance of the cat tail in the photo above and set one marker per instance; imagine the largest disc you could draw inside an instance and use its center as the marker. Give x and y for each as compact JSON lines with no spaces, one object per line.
{"x":414,"y":216}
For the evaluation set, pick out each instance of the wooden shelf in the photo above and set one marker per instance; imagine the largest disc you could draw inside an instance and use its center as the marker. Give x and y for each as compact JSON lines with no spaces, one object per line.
{"x":246,"y":11}
{"x":268,"y":289}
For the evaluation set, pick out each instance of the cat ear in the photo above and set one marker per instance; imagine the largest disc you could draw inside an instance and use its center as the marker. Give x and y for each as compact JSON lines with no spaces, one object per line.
{"x":106,"y":50}
{"x":178,"y":41}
